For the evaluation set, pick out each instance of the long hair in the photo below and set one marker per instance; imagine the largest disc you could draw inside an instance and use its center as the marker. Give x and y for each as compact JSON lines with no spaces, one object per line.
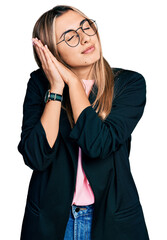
{"x":44,"y":29}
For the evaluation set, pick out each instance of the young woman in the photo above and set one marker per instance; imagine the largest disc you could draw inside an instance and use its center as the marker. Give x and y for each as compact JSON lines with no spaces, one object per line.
{"x":78,"y":117}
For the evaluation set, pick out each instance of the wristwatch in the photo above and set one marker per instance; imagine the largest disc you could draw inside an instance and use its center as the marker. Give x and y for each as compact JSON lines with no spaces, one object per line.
{"x":52,"y":96}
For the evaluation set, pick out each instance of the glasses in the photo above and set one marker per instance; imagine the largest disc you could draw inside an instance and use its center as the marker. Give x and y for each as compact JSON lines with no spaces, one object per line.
{"x":72,"y":38}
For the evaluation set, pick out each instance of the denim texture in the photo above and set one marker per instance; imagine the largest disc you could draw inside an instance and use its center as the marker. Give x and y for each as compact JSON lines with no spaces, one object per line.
{"x":79,"y":223}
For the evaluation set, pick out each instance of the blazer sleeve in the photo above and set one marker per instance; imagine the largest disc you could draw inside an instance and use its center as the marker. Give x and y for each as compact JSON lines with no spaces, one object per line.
{"x":33,"y":145}
{"x":99,"y":138}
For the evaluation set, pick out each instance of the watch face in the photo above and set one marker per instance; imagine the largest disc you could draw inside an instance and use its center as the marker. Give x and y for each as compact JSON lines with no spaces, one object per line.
{"x":46,"y":96}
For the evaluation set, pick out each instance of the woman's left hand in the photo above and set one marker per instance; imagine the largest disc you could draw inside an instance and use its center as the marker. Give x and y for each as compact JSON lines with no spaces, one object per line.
{"x":66,"y":74}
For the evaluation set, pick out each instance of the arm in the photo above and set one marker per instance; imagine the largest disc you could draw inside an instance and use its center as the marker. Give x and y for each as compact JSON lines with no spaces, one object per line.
{"x":78,"y":98}
{"x":51,"y":116}
{"x":36,"y":144}
{"x":99,"y":138}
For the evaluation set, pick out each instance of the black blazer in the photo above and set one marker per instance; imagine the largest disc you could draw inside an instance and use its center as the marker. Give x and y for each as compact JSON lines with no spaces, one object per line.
{"x":105,"y":145}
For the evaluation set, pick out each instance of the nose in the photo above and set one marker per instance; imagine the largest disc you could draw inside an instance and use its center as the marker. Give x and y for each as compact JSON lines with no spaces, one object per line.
{"x":83,"y":37}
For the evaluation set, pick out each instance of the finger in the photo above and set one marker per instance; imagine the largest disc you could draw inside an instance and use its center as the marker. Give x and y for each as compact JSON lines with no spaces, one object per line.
{"x":36,"y":46}
{"x":43,"y":58}
{"x":51,"y":65}
{"x":37,"y":42}
{"x":40,"y":43}
{"x":40,"y":46}
{"x":38,"y":51}
{"x":50,"y":54}
{"x":40,"y":55}
{"x":47,"y":57}
{"x":52,"y":57}
{"x":58,"y":64}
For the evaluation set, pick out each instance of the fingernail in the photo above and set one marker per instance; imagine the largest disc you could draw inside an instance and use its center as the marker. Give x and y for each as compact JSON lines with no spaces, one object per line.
{"x":46,"y":46}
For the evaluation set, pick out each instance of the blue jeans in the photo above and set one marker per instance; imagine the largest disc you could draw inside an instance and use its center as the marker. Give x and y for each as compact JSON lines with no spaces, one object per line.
{"x":79,"y":223}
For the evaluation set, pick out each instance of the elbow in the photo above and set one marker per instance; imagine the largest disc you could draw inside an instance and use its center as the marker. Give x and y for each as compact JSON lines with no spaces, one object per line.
{"x":31,"y":159}
{"x":35,"y":149}
{"x":104,"y":149}
{"x":93,"y":150}
{"x":94,"y":153}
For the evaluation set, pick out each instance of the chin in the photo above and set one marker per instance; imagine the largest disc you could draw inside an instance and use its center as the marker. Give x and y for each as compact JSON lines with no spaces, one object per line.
{"x":86,"y":61}
{"x":92,"y":59}
{"x":96,"y":58}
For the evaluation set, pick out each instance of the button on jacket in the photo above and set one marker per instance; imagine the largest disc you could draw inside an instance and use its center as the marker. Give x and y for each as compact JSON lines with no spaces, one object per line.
{"x":105,"y":145}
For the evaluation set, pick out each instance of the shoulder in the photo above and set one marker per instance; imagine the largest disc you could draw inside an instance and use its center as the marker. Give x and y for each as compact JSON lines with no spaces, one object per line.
{"x":39,"y":74}
{"x":38,"y":81}
{"x":125,"y":77}
{"x":126,"y":74}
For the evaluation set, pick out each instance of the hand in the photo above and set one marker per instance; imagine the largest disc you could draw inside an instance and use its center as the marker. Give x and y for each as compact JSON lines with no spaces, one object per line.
{"x":54,"y":70}
{"x":48,"y":66}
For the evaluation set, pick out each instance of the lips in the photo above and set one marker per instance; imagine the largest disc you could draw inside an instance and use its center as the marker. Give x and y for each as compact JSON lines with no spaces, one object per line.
{"x":92,"y":46}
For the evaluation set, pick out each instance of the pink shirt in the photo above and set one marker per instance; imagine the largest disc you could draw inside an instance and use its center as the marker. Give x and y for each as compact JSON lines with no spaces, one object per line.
{"x":83,"y":194}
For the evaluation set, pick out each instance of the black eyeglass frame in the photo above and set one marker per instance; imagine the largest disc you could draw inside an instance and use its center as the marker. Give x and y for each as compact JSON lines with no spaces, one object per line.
{"x":86,"y":19}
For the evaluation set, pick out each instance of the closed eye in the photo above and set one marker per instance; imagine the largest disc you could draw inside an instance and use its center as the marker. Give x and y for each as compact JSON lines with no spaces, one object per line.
{"x":70,"y":38}
{"x":86,"y":28}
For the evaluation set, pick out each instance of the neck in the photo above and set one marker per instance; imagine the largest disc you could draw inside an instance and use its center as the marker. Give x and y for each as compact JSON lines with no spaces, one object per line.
{"x":84,"y":72}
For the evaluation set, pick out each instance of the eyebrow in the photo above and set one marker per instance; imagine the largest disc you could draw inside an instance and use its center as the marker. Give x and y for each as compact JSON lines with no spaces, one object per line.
{"x":71,"y":29}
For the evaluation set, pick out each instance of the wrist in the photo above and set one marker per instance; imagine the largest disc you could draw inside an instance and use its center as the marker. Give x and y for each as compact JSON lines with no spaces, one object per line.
{"x":56,"y":89}
{"x":73,"y":82}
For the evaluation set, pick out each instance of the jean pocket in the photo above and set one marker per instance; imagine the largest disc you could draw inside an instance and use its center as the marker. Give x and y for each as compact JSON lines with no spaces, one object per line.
{"x":33,"y":207}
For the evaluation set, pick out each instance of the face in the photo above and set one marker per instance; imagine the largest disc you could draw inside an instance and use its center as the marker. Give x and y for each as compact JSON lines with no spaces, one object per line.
{"x":73,"y":56}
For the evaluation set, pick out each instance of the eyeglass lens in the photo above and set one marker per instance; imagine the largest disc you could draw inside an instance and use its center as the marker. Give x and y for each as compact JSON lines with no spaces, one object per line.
{"x":89,"y":27}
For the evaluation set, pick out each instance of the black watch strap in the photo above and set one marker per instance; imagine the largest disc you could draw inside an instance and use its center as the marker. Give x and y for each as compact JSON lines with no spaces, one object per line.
{"x":52,"y":96}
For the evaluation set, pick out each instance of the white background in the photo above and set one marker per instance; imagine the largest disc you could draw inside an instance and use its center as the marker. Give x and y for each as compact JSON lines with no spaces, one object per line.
{"x":133,"y":36}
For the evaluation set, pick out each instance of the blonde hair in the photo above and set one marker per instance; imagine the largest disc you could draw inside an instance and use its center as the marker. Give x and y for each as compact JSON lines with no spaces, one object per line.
{"x":102,"y":73}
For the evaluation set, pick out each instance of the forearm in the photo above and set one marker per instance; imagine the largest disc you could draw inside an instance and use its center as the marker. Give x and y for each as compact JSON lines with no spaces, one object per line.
{"x":51,"y":116}
{"x":78,"y":98}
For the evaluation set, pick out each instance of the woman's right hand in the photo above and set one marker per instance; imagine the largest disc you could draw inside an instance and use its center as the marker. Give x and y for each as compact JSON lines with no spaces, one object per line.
{"x":51,"y":72}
